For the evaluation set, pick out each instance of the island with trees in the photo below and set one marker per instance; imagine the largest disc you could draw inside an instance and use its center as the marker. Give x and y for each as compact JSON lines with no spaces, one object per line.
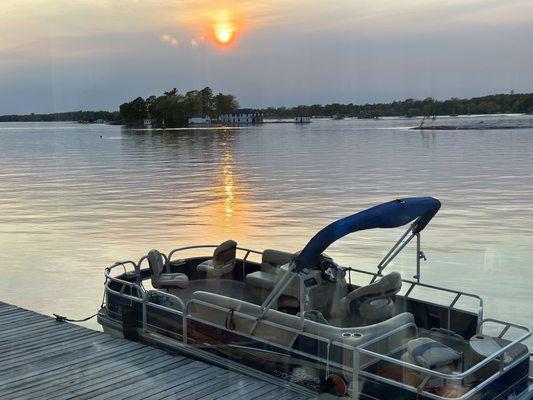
{"x":173,"y":109}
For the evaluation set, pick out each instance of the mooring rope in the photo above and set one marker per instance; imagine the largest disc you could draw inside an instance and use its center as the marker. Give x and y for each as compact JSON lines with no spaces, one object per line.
{"x":61,"y":318}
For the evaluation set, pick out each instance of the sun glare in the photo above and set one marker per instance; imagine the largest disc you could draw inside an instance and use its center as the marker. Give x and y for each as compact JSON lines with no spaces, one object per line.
{"x":223,"y":36}
{"x":223,"y":27}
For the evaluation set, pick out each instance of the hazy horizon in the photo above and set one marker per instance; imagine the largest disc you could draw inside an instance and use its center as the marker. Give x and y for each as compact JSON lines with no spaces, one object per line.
{"x":58,"y":56}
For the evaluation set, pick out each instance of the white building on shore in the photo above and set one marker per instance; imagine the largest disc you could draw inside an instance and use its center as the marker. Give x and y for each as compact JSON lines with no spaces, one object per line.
{"x":242,"y":116}
{"x":200,"y":120}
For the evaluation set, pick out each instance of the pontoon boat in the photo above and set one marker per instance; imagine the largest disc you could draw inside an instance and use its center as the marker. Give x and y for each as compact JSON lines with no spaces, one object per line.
{"x":307,"y":323}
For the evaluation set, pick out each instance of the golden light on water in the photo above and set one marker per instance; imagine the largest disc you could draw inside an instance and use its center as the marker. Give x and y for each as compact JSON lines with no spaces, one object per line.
{"x":227,"y":215}
{"x":229,"y":183}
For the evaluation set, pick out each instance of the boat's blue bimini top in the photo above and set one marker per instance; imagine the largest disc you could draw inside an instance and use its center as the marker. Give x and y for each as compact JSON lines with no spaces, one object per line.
{"x":387,"y":215}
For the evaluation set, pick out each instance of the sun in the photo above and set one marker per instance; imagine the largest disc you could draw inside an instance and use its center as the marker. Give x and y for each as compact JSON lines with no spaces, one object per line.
{"x":223,"y":27}
{"x":223,"y":35}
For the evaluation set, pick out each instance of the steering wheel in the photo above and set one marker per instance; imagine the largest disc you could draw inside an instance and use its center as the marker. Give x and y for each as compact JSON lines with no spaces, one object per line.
{"x":328,"y":270}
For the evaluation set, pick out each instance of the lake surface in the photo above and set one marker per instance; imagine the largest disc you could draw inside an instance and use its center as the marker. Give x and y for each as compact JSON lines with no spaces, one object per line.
{"x":75,"y":198}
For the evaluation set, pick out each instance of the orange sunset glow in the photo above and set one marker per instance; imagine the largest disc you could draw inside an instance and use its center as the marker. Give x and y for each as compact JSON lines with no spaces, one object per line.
{"x":223,"y":27}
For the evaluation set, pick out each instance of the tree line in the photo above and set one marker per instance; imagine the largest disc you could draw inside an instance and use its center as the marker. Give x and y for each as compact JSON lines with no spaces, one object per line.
{"x":82,"y":116}
{"x":173,"y":109}
{"x":498,"y":103}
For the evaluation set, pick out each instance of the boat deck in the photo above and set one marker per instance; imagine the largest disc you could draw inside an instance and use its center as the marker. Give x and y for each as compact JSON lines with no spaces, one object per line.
{"x":43,"y":358}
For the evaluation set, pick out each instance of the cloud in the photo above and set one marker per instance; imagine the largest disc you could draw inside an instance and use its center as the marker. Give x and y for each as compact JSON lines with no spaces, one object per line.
{"x":171,"y":40}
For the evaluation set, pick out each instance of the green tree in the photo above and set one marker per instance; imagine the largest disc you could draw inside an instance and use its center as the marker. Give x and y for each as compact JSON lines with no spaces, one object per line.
{"x":134,"y":111}
{"x":207,"y":101}
{"x":225,"y":103}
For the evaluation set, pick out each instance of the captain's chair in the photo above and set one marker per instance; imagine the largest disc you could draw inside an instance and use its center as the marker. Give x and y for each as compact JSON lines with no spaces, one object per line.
{"x":163,"y":280}
{"x":374,"y":302}
{"x":223,"y":260}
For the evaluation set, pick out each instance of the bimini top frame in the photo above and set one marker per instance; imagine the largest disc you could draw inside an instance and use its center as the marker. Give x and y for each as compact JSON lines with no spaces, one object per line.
{"x":393,"y":214}
{"x":387,"y":215}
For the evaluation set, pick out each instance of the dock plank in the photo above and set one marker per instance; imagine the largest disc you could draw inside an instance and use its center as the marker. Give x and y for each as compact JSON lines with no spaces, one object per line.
{"x":51,"y":379}
{"x":46,"y":359}
{"x":55,"y":370}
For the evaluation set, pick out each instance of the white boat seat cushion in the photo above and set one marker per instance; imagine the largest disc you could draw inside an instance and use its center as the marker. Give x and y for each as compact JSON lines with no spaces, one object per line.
{"x":223,"y":261}
{"x":431,"y":354}
{"x":160,"y":279}
{"x":373,"y":302}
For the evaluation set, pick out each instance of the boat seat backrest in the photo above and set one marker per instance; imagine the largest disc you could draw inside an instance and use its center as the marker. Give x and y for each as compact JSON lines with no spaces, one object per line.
{"x":156,"y":264}
{"x":362,"y":298}
{"x":281,"y":335}
{"x":225,"y":253}
{"x":223,"y":261}
{"x":273,"y":259}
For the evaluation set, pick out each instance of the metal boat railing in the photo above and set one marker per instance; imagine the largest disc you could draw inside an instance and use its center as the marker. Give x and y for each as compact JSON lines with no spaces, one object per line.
{"x":414,"y":284}
{"x":357,"y":351}
{"x":456,"y":376}
{"x":374,"y":275}
{"x":213,"y":246}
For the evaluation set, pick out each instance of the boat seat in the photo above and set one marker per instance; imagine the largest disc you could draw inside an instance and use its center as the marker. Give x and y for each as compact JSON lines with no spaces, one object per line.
{"x":231,"y":320}
{"x":223,"y":260}
{"x":263,"y":283}
{"x":163,"y":280}
{"x":373,"y":302}
{"x":274,"y":258}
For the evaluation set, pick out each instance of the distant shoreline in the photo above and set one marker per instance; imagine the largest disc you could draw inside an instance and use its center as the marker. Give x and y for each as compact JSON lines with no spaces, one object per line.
{"x":513,"y":103}
{"x":467,"y":127}
{"x":320,"y":117}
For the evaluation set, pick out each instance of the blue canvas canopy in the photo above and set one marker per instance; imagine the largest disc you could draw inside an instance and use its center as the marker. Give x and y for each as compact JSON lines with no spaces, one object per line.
{"x":387,"y":215}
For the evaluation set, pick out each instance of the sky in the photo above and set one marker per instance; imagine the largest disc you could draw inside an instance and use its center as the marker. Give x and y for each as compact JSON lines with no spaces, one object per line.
{"x":62,"y":55}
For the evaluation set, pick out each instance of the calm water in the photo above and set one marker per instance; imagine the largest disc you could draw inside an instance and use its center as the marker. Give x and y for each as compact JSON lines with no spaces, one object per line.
{"x":72,"y":202}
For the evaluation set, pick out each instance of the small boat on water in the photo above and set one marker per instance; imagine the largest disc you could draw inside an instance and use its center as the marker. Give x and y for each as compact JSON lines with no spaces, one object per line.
{"x":306,"y":322}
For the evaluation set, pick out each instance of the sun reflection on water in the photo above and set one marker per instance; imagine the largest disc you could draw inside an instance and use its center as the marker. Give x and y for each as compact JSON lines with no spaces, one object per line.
{"x":229,"y":210}
{"x":229,"y":183}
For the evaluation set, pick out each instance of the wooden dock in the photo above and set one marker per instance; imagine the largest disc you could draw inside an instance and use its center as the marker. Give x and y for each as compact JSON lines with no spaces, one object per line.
{"x":45,"y":359}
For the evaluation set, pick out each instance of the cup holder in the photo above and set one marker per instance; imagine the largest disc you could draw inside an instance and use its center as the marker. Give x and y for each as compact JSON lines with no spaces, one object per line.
{"x":354,"y":335}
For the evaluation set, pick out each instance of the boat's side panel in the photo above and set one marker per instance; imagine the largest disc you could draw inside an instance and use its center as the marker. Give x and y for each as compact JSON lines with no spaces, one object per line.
{"x":279,"y":362}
